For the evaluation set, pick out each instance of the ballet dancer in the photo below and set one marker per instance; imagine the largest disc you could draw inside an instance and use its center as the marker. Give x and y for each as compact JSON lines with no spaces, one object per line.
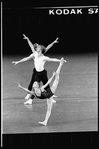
{"x":39,"y":73}
{"x":44,"y":50}
{"x":41,"y":93}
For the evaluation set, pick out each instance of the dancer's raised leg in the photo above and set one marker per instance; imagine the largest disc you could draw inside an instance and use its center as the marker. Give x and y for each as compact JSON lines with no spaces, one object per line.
{"x":56,"y":81}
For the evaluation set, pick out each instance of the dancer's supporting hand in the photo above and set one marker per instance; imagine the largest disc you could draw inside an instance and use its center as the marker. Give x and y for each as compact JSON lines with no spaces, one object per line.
{"x":18,"y":84}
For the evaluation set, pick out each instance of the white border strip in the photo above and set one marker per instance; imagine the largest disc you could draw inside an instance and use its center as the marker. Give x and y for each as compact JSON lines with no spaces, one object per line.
{"x":1,"y":83}
{"x":66,"y":7}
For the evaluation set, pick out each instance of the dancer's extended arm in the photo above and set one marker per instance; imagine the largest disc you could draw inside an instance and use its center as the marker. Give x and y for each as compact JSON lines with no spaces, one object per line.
{"x":30,"y":43}
{"x":50,"y":45}
{"x":53,"y":59}
{"x":31,"y":92}
{"x":23,"y":60}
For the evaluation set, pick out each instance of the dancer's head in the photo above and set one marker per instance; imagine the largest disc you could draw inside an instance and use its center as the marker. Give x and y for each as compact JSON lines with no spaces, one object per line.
{"x":39,"y":48}
{"x":36,"y":85}
{"x":36,"y":46}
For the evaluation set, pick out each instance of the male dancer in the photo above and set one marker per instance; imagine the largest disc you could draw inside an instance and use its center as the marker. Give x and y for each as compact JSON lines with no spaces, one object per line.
{"x":39,"y":74}
{"x":34,"y":48}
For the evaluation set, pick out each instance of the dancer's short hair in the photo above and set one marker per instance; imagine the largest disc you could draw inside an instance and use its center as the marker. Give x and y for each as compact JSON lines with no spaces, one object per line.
{"x":35,"y":46}
{"x":43,"y":49}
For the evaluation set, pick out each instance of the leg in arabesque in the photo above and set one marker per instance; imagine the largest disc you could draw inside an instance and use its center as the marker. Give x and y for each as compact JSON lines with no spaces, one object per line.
{"x":56,"y":81}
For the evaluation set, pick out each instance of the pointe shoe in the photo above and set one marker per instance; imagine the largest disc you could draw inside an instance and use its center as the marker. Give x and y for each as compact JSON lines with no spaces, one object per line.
{"x":28,"y":102}
{"x":43,"y":123}
{"x":27,"y":96}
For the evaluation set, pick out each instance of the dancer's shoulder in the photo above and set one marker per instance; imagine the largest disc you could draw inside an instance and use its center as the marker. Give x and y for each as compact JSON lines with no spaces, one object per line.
{"x":45,"y":57}
{"x":32,"y":55}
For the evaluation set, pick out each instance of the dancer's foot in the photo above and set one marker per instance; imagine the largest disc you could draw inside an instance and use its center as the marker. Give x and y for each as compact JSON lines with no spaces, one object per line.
{"x":55,"y":96}
{"x":28,"y":101}
{"x":54,"y":101}
{"x":43,"y":123}
{"x":27,"y":96}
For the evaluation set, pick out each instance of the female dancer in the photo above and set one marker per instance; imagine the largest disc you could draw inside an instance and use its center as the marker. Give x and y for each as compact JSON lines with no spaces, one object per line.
{"x":41,"y":93}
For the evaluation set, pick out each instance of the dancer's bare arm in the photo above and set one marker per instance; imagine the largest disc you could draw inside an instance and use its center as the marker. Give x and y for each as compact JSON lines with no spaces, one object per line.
{"x":31,"y":92}
{"x":53,"y":59}
{"x":50,"y":45}
{"x":49,"y":81}
{"x":23,"y":60}
{"x":29,"y":42}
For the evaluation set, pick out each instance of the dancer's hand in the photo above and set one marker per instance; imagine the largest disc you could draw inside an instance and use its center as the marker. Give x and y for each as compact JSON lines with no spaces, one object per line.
{"x":24,"y":36}
{"x":15,"y":63}
{"x":62,"y":60}
{"x":18,"y":84}
{"x":65,"y":61}
{"x":56,"y":41}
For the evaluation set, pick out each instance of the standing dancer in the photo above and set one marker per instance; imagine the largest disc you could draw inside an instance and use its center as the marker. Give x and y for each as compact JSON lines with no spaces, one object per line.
{"x":41,"y":93}
{"x":39,"y":73}
{"x":34,"y":49}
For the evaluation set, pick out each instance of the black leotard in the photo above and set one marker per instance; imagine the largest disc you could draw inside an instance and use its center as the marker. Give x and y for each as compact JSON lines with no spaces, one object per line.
{"x":45,"y":94}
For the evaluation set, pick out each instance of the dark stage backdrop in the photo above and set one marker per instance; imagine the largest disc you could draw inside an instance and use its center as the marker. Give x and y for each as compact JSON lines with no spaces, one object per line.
{"x":77,"y":33}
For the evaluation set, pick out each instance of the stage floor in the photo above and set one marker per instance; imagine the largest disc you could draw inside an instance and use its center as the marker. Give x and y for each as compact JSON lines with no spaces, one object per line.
{"x":76,"y":108}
